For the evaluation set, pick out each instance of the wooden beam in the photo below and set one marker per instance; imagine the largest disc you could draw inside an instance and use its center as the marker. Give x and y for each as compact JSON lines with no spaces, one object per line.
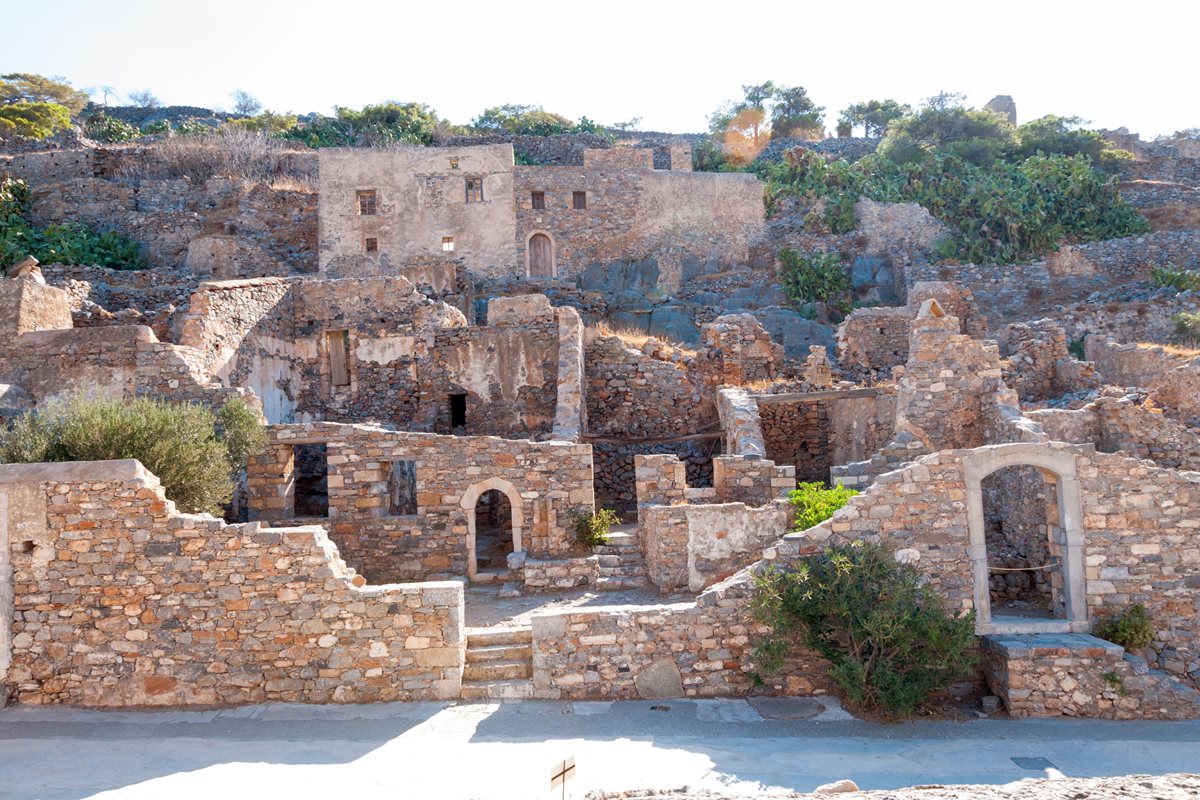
{"x":691,"y":437}
{"x":813,"y":397}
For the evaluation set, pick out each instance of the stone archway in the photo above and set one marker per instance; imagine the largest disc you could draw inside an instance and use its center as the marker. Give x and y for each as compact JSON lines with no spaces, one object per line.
{"x":469,"y":501}
{"x":978,"y":464}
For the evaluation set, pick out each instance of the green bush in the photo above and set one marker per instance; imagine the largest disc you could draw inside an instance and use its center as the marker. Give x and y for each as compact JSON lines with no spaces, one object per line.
{"x":104,"y":128}
{"x":1181,"y":280}
{"x":592,"y":528}
{"x":156,"y":128}
{"x":1076,"y":348}
{"x":1187,"y":324}
{"x":69,"y":243}
{"x":815,"y":504}
{"x":190,"y":127}
{"x":31,"y":120}
{"x":195,"y":453}
{"x":890,"y":640}
{"x":814,"y":278}
{"x":1001,"y":213}
{"x":1133,"y":630}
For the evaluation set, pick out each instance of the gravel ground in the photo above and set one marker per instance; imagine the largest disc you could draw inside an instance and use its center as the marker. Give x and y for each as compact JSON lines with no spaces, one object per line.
{"x":1142,"y":787}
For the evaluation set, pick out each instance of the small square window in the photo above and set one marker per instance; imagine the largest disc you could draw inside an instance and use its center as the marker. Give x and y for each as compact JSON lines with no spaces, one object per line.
{"x":372,"y":245}
{"x":474,"y":190}
{"x":454,"y":163}
{"x":538,"y":200}
{"x":447,"y":244}
{"x":458,"y":410}
{"x":579,"y":200}
{"x":367,"y":203}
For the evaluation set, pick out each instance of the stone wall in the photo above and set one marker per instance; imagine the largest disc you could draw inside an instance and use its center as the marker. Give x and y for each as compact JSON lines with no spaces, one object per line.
{"x":1037,"y":364}
{"x":1074,"y":271}
{"x":118,"y":600}
{"x":814,"y":435}
{"x":1080,"y":676}
{"x":635,"y":402}
{"x":1128,"y":364}
{"x":544,"y":482}
{"x":27,"y":305}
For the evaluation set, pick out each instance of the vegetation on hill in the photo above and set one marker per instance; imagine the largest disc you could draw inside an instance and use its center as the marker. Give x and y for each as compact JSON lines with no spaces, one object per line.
{"x":69,"y":243}
{"x":34,"y":107}
{"x":195,"y":452}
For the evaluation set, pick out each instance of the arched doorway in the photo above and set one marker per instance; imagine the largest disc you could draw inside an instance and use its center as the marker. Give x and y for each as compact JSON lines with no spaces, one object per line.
{"x":540,"y":254}
{"x":493,"y":532}
{"x":495,"y":526}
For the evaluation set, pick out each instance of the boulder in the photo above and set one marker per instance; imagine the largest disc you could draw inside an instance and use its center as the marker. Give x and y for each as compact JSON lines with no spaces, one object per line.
{"x":659,"y":681}
{"x":619,"y":276}
{"x":795,"y":333}
{"x":674,"y":323}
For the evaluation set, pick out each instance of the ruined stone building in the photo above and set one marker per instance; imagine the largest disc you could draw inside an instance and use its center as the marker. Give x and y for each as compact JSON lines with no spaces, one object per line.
{"x":447,"y":390}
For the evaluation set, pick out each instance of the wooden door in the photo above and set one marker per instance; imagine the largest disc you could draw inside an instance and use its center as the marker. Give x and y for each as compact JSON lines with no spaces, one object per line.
{"x":541,"y":256}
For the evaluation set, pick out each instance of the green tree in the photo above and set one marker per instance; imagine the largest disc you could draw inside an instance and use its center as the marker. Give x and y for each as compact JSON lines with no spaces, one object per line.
{"x":24,"y":87}
{"x":793,"y":113}
{"x":267,"y":122}
{"x":874,"y":115}
{"x":32,"y":120}
{"x":521,"y":120}
{"x":945,"y":126}
{"x":1053,"y":135}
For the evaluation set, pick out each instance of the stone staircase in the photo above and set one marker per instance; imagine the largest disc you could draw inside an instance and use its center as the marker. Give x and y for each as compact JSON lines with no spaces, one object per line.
{"x":621,"y":564}
{"x":499,"y":664}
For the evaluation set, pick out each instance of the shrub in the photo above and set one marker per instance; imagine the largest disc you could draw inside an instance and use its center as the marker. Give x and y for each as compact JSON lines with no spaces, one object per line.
{"x":592,"y":528}
{"x":1187,"y":324}
{"x":104,"y":128}
{"x":33,"y":120}
{"x":69,"y":243}
{"x":814,"y":278}
{"x":815,"y":504}
{"x":156,"y":128}
{"x":1181,"y":280}
{"x":890,"y":640}
{"x":1133,"y":629}
{"x":225,"y":152}
{"x":1076,"y":348}
{"x":1001,"y":213}
{"x":184,"y":445}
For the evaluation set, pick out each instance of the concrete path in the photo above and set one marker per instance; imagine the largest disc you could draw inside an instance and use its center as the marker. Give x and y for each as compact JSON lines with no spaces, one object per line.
{"x":493,"y":750}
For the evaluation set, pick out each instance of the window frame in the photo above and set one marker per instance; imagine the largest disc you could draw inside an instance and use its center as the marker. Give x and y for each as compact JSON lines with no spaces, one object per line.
{"x":474,"y":189}
{"x":537,"y":201}
{"x":367,"y":199}
{"x":579,"y":200}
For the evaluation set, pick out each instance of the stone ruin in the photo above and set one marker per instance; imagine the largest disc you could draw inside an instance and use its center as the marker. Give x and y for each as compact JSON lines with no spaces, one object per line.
{"x":446,"y":394}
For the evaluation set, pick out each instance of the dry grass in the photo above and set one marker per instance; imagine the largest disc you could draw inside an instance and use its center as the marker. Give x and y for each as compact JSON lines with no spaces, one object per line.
{"x":229,"y":153}
{"x":1177,"y":351}
{"x":637,"y":340}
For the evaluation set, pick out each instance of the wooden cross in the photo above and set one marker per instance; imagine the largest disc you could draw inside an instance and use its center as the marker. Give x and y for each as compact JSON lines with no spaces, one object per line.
{"x":562,"y":773}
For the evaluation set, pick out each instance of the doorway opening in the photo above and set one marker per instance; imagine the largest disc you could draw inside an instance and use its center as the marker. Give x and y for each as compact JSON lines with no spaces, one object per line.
{"x":1023,"y":539}
{"x":311,"y":497}
{"x":541,"y":256}
{"x":493,"y":532}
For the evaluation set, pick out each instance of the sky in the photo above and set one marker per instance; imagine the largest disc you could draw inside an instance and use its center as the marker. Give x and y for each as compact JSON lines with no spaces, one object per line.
{"x":670,"y":63}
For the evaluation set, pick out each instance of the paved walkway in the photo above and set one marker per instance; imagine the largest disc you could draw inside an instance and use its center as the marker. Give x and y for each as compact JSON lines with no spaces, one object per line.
{"x":490,"y":750}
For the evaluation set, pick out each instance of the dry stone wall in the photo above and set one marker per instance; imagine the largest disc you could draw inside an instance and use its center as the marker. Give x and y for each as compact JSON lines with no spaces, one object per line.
{"x":119,"y":600}
{"x":544,"y":482}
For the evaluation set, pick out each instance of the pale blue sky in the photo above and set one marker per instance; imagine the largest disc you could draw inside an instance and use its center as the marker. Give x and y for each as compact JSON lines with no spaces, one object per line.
{"x":670,"y":63}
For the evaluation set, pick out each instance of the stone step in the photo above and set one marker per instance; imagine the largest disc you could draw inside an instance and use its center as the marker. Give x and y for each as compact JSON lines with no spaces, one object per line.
{"x":493,"y":576}
{"x":621,"y":560}
{"x":498,"y":690}
{"x":618,"y":572}
{"x":487,"y":637}
{"x":500,"y":652}
{"x":619,"y":550}
{"x":620,"y":584}
{"x":491,"y":671}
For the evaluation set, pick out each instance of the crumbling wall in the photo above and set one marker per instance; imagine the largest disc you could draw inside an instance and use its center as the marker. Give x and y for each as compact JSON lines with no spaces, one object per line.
{"x":633,"y":402}
{"x":549,"y":480}
{"x":1037,"y":364}
{"x":120,"y":600}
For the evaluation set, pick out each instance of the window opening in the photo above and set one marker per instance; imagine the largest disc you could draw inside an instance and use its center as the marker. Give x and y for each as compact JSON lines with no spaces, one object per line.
{"x":579,"y":200}
{"x":458,"y":410}
{"x":367,"y":203}
{"x":402,"y":488}
{"x":474,"y":190}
